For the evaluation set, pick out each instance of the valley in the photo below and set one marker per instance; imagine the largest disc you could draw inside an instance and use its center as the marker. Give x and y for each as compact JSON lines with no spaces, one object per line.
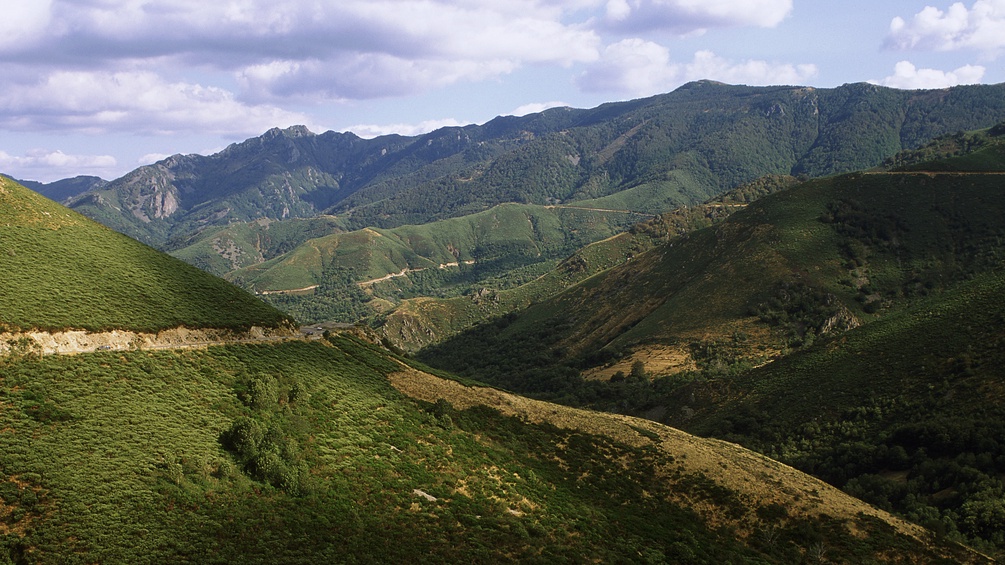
{"x":724,"y":324}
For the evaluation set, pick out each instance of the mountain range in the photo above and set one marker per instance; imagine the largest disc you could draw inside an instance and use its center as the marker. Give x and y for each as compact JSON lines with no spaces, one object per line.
{"x":645,"y":155}
{"x":293,"y":215}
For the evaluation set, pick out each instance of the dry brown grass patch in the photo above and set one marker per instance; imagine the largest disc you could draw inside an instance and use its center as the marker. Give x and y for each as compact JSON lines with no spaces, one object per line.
{"x":755,"y":479}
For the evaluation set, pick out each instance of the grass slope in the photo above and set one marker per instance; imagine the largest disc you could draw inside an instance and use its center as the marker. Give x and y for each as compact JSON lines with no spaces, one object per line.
{"x":510,"y":233}
{"x":305,"y":453}
{"x":422,"y":321}
{"x":62,"y":270}
{"x":885,"y":290}
{"x":246,"y":244}
{"x":349,"y":276}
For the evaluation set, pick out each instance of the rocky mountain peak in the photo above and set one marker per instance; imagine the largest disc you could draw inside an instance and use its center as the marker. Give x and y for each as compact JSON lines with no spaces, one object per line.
{"x":291,"y":132}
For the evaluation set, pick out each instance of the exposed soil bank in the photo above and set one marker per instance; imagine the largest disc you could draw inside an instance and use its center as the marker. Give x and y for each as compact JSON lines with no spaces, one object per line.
{"x":79,"y":341}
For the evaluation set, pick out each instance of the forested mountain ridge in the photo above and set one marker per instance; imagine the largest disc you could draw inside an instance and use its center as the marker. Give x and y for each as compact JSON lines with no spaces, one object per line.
{"x":64,"y":189}
{"x":646,"y":155}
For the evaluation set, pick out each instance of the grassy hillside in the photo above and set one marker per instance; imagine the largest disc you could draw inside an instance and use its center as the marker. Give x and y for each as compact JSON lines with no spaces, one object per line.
{"x":306,"y":453}
{"x":819,"y":258}
{"x":506,"y":236}
{"x":850,"y":326}
{"x":248,"y":244}
{"x":418,"y":322}
{"x":335,"y":277}
{"x":422,"y":321}
{"x":62,"y":270}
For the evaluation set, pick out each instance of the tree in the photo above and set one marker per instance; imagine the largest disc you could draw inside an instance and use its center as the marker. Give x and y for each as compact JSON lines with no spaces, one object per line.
{"x":639,"y":371}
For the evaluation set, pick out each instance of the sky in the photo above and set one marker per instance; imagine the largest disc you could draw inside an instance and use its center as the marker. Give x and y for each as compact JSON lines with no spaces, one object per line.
{"x":101,"y":87}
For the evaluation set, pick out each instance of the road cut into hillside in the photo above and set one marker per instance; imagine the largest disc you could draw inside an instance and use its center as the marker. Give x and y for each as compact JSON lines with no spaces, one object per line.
{"x":79,"y":341}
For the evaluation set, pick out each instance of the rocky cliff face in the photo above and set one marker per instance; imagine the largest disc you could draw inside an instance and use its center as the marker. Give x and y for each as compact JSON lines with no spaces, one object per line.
{"x":150,"y":193}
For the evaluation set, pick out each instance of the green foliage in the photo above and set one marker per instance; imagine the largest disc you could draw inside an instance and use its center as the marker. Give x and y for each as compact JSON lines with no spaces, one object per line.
{"x":801,"y":313}
{"x":338,"y":298}
{"x":903,"y":415}
{"x":62,"y":270}
{"x":303,"y":453}
{"x":939,"y":149}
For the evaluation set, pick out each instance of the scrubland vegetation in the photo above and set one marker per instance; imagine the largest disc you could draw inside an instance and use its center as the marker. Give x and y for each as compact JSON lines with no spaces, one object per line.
{"x":303,"y":452}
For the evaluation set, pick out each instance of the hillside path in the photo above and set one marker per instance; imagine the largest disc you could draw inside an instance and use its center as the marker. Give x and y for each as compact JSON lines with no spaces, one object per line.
{"x":73,"y":342}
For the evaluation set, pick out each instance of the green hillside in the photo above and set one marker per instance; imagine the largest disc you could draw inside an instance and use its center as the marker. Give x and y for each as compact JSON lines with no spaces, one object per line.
{"x":305,"y":453}
{"x":825,"y":256}
{"x":422,"y":321}
{"x":62,"y":270}
{"x":333,"y":450}
{"x":247,"y":244}
{"x":328,"y":275}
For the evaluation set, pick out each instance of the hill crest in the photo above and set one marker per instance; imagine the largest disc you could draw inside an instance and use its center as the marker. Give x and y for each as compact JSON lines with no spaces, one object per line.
{"x":64,"y":271}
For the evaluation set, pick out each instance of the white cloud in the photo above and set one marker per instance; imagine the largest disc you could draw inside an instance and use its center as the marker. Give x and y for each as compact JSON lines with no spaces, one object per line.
{"x":22,"y":21}
{"x":638,"y":67}
{"x":633,"y":66}
{"x":707,"y":64}
{"x":361,"y":76}
{"x":981,"y":27}
{"x":338,"y":49}
{"x":139,"y":101}
{"x":908,"y":77}
{"x":535,"y":107}
{"x":375,"y":130}
{"x":48,"y":165}
{"x":693,"y":16}
{"x":354,"y":49}
{"x":151,"y":158}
